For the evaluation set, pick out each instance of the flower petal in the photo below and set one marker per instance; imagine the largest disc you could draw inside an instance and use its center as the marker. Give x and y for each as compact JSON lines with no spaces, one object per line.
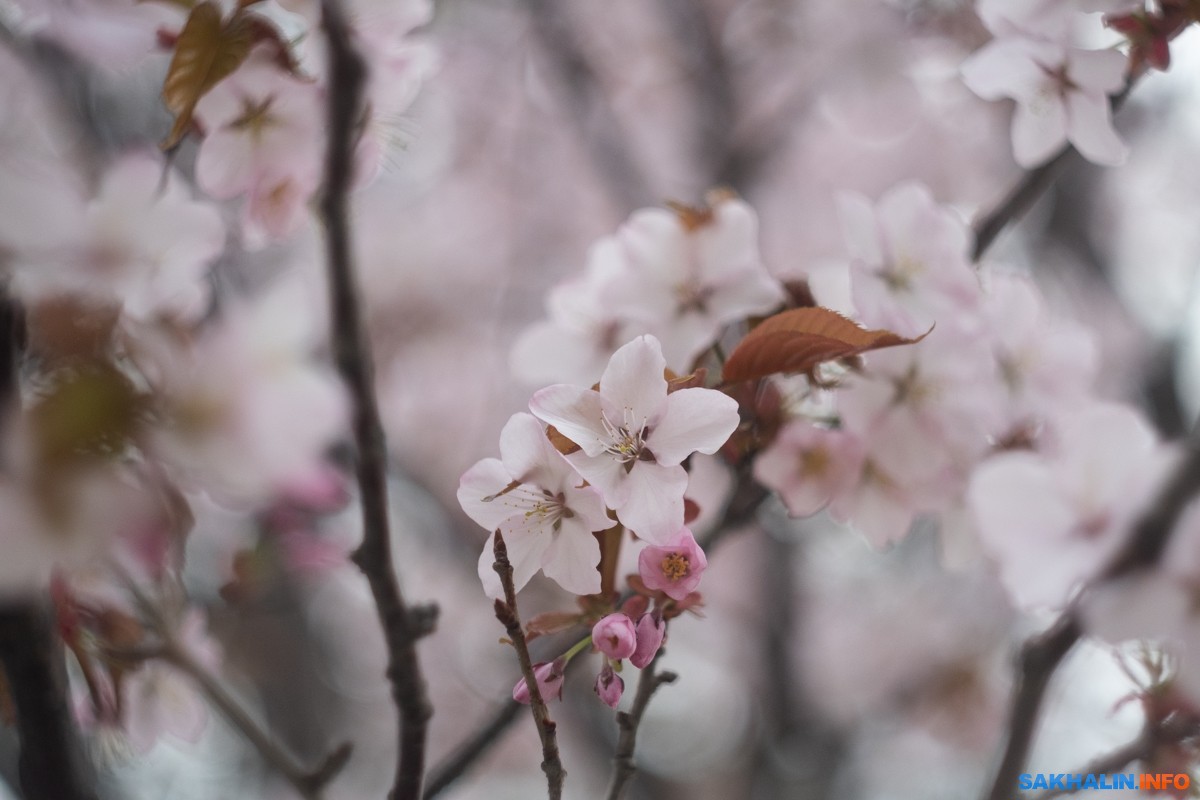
{"x":575,"y":412}
{"x":571,"y":558}
{"x":1039,"y":129}
{"x":654,"y":510}
{"x":528,"y":454}
{"x":695,"y":420}
{"x":634,"y":382}
{"x":1091,"y":129}
{"x":487,"y":478}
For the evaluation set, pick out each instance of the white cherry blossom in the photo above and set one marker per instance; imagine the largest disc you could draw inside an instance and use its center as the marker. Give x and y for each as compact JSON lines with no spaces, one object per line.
{"x":633,"y":435}
{"x":534,"y":498}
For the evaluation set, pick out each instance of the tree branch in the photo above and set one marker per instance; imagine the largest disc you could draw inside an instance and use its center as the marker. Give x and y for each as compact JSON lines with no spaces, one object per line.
{"x":1041,"y":656}
{"x":506,"y":612}
{"x":624,"y":767}
{"x":402,"y":625}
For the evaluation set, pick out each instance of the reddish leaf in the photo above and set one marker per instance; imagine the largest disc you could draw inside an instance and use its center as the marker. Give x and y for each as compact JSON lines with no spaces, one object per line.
{"x":677,"y":382}
{"x":207,"y":50}
{"x":799,"y":339}
{"x":690,"y":511}
{"x":550,"y":622}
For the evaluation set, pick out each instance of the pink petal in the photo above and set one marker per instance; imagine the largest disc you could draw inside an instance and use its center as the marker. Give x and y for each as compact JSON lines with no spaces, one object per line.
{"x":528,"y":455}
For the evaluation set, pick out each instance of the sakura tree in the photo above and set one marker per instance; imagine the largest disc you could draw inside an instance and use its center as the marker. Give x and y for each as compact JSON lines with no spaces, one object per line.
{"x":800,"y":392}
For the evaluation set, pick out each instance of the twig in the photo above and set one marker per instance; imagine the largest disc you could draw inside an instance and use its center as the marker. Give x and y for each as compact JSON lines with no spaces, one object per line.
{"x":468,"y":752}
{"x":624,"y":767}
{"x":506,"y":612}
{"x":308,"y":783}
{"x":402,"y":625}
{"x":1041,"y":656}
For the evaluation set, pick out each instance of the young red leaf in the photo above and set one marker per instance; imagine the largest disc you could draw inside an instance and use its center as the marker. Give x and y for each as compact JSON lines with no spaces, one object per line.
{"x":551,"y":622}
{"x":799,"y":339}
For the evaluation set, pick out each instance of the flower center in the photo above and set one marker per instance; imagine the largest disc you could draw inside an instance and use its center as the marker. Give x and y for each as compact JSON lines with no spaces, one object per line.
{"x":626,"y":442}
{"x":675,"y":566}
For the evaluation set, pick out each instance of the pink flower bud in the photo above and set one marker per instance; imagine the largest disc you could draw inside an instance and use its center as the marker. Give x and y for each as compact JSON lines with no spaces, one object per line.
{"x":609,"y":686}
{"x":673,"y":568}
{"x":549,"y":677}
{"x":614,"y":636}
{"x":650,"y":633}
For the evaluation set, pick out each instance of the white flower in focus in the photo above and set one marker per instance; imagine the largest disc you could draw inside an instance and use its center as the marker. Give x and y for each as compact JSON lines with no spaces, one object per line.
{"x":534,"y":498}
{"x":1061,"y":94}
{"x":633,"y":435}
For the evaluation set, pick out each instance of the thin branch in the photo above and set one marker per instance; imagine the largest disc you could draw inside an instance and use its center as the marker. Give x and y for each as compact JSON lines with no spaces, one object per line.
{"x":624,"y":767}
{"x":402,"y":625}
{"x":506,"y":612}
{"x":468,"y":752}
{"x":1041,"y":656}
{"x":309,"y":783}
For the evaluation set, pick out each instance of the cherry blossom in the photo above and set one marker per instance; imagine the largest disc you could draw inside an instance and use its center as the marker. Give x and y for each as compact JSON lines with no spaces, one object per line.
{"x":1052,"y":520}
{"x":614,"y":636}
{"x":909,"y":263}
{"x":1061,"y":93}
{"x":633,"y":435}
{"x":549,"y":676}
{"x":534,"y":498}
{"x":675,"y":567}
{"x":650,"y":633}
{"x":609,"y":686}
{"x":809,"y":466}
{"x":263,"y":138}
{"x":686,"y":275}
{"x":143,"y":242}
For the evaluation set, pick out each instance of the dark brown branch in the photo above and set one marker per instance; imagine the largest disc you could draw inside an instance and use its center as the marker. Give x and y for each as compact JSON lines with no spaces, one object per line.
{"x":50,"y":764}
{"x":1170,"y":731}
{"x":402,"y":625}
{"x":506,"y":612}
{"x":624,"y":767}
{"x":1041,"y":656}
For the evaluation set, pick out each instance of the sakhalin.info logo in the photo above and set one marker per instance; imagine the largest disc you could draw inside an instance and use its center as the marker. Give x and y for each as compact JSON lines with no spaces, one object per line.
{"x":1128,"y":780}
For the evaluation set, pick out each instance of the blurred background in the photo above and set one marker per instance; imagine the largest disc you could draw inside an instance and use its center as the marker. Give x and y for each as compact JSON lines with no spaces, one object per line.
{"x":822,"y":668}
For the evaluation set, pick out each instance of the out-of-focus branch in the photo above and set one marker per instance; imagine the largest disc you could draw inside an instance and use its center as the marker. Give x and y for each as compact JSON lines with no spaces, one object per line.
{"x":506,"y":612}
{"x":589,"y":104}
{"x":471,"y":750}
{"x":309,"y":784}
{"x":1153,"y":735}
{"x":624,"y":767}
{"x":1041,"y":656}
{"x":402,"y":625}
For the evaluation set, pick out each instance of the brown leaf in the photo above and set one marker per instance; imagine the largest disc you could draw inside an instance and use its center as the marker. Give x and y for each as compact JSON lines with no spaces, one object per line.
{"x":690,"y":511}
{"x":550,"y":622}
{"x":677,"y":382}
{"x":561,"y":443}
{"x":799,"y":339}
{"x":208,"y":50}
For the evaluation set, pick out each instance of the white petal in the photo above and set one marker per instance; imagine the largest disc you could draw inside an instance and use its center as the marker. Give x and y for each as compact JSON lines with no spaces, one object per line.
{"x":588,"y":506}
{"x":527,"y":544}
{"x":528,"y":455}
{"x":486,"y":478}
{"x":572,"y":558}
{"x":1098,"y":71}
{"x":575,"y":412}
{"x":634,"y":382}
{"x":1091,"y":130}
{"x":857,"y":216}
{"x":1039,"y":130}
{"x":695,"y":420}
{"x":1004,"y":68}
{"x":654,"y":510}
{"x":605,"y":473}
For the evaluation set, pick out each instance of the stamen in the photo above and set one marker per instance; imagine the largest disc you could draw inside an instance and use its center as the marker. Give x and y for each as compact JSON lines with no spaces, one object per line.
{"x":675,"y":566}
